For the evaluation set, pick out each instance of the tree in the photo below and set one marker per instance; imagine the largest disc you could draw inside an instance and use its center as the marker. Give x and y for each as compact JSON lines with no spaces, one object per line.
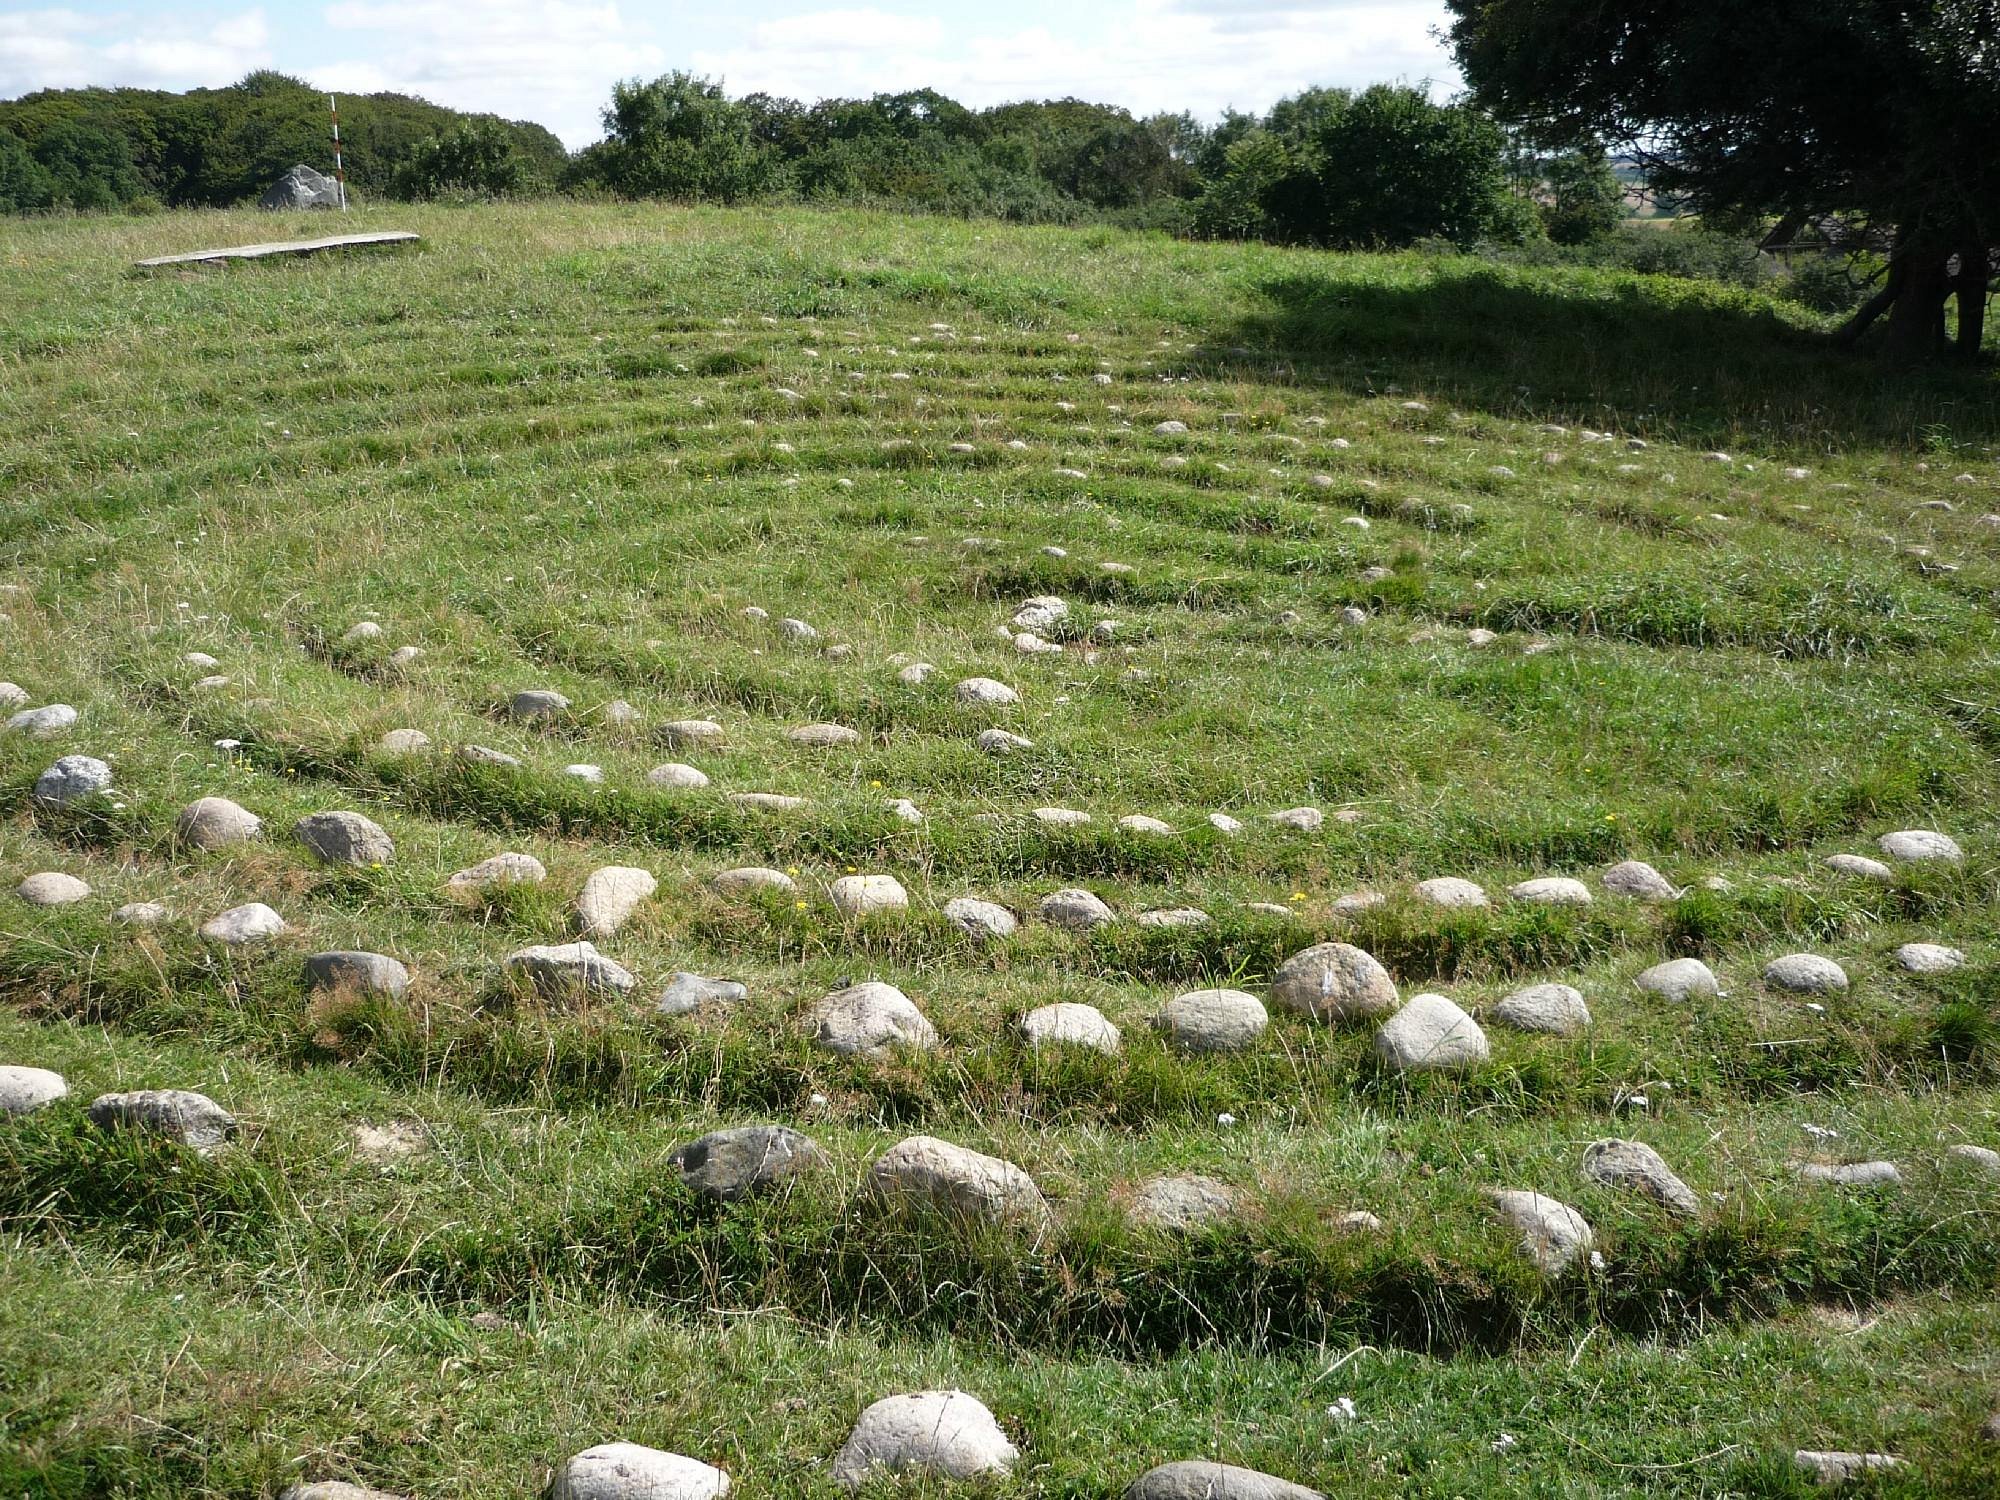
{"x":87,"y":167}
{"x":1881,"y":110}
{"x":679,"y":137}
{"x":1579,"y":198}
{"x":24,"y":186}
{"x":1397,"y":168}
{"x":475,"y":157}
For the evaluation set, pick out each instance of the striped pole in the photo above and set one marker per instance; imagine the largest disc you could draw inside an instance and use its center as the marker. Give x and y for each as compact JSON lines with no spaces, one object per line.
{"x":339,"y":172}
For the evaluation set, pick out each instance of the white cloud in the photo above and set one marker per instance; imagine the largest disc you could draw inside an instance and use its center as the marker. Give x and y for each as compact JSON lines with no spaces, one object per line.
{"x":46,"y":49}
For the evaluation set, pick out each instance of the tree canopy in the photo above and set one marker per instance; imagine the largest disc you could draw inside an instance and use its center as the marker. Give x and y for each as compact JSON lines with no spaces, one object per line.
{"x":1880,"y":112}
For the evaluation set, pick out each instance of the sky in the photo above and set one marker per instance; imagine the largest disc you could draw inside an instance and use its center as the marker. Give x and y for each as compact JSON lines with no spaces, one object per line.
{"x":553,"y":61}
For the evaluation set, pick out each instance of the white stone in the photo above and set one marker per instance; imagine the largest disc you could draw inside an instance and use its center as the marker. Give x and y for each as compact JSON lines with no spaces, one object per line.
{"x":750,"y":878}
{"x":1304,"y":819}
{"x":1217,"y":1020}
{"x":140,"y":914}
{"x":957,"y":1180}
{"x":23,"y":1090}
{"x":403,"y":742}
{"x":1141,"y":823}
{"x":870,"y":1018}
{"x":1929,"y":958}
{"x":1679,"y":979}
{"x":510,"y":868}
{"x":1431,"y":1034}
{"x":181,"y":1115}
{"x":42,"y":723}
{"x":584,"y":771}
{"x":823,"y":736}
{"x":981,"y":919}
{"x":1915,"y":845}
{"x":916,"y":674}
{"x":630,"y":1471}
{"x":1851,"y":1173}
{"x":360,"y":630}
{"x":1552,"y":1233}
{"x":1222,"y":823}
{"x":1859,"y":866}
{"x":674,"y":775}
{"x":610,"y":896}
{"x":1067,"y":1023}
{"x":1636,"y":1167}
{"x":1173,"y":916}
{"x":1334,"y":982}
{"x":1076,"y":909}
{"x":766,"y":802}
{"x":1061,"y":817}
{"x":1557,"y":1009}
{"x":857,"y":896}
{"x":244,"y":924}
{"x":1638,"y":880}
{"x":1551,"y":890}
{"x":1003,"y":742}
{"x":903,"y":809}
{"x":1169,"y":429}
{"x":985,"y":691}
{"x":1450,"y":891}
{"x":71,"y":779}
{"x":52,"y":888}
{"x":946,"y":1434}
{"x":1830,"y":1468}
{"x":1202,"y":1480}
{"x":215,"y":823}
{"x":690,"y":732}
{"x":564,"y":969}
{"x":1805,"y":974}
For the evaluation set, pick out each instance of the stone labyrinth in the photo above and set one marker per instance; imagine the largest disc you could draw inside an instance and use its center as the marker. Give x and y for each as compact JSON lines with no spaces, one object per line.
{"x":1078,"y":831}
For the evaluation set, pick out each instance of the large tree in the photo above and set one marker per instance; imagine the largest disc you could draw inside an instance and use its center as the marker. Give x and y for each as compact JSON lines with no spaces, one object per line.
{"x":1881,"y":112}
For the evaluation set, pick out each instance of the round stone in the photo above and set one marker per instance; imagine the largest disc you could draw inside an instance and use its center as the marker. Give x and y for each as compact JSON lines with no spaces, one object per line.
{"x":1916,"y":845}
{"x":1043,"y":612}
{"x":1636,"y":1167}
{"x":566,"y":970}
{"x":509,"y":868}
{"x":751,"y":878}
{"x":42,"y":723}
{"x":215,"y":823}
{"x":584,"y":771}
{"x":1141,"y":823}
{"x":191,"y":1119}
{"x":1183,"y":1203}
{"x":486,"y":755}
{"x":1334,"y":982}
{"x":1174,"y":916}
{"x":957,"y":1180}
{"x":1068,"y":1024}
{"x":944,"y":1434}
{"x":1430,"y":1034}
{"x":1552,"y":890}
{"x":916,"y":674}
{"x":365,"y":973}
{"x":985,"y":692}
{"x":823,"y":736}
{"x":1076,"y":910}
{"x":687,"y":993}
{"x":52,"y":888}
{"x":403,"y":742}
{"x":796,"y":630}
{"x":1860,"y":866}
{"x":361,"y":630}
{"x":870,"y":1018}
{"x":1679,"y":979}
{"x":675,"y":775}
{"x":345,"y":838}
{"x":629,"y":1471}
{"x":1061,"y":817}
{"x":1002,"y":742}
{"x":766,"y":802}
{"x":1557,"y":1009}
{"x":141,"y":914}
{"x":1221,"y":822}
{"x":1929,"y":958}
{"x":1169,"y":429}
{"x":23,"y":1090}
{"x":731,"y":1164}
{"x":1451,"y":892}
{"x":1303,"y":819}
{"x":1852,"y":1173}
{"x":1805,"y":974}
{"x":980,"y":919}
{"x":903,"y":810}
{"x":857,"y":896}
{"x":537,"y":703}
{"x":610,"y":896}
{"x":1219,"y":1020}
{"x":1201,"y":1480}
{"x":690,"y":732}
{"x":1552,"y":1234}
{"x":71,"y":779}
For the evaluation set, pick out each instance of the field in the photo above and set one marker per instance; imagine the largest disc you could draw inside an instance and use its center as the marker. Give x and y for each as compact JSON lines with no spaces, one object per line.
{"x":1510,"y":574}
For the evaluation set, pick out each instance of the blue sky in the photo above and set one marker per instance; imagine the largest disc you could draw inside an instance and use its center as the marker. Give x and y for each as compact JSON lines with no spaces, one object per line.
{"x":554,"y":60}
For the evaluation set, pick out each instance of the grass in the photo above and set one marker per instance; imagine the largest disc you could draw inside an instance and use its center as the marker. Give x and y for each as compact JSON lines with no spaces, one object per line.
{"x":566,"y":446}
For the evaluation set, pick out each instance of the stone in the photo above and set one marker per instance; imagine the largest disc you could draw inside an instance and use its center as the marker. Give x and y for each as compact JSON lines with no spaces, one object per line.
{"x":404,"y":656}
{"x":731,"y":1164}
{"x":1030,"y":644}
{"x":1805,"y":974}
{"x":1304,"y":819}
{"x":23,"y":1090}
{"x":1637,"y":1167}
{"x":509,"y":868}
{"x":1222,"y":823}
{"x":565,"y":970}
{"x":1358,"y":1221}
{"x":403,"y":742}
{"x":190,"y":1119}
{"x":300,"y":188}
{"x":1851,"y":1173}
{"x":71,"y":779}
{"x":985,"y":692}
{"x":609,"y":897}
{"x":1043,"y":612}
{"x":345,"y":838}
{"x":766,"y":802}
{"x":687,"y":993}
{"x":141,"y":914}
{"x":1061,"y":817}
{"x":856,"y":896}
{"x":957,"y":1180}
{"x":1355,"y":902}
{"x":1219,"y":1020}
{"x":945,"y":1434}
{"x":675,"y":775}
{"x":869,"y":1019}
{"x":1169,"y":429}
{"x":1181,"y":1203}
{"x":1334,"y":982}
{"x":537,"y":703}
{"x":796,"y":630}
{"x":584,"y":771}
{"x":43,"y":723}
{"x":1557,"y":1009}
{"x":215,"y":823}
{"x":630,"y":1471}
{"x":1174,"y":916}
{"x":1832,"y":1468}
{"x":691,"y":732}
{"x":751,"y":878}
{"x":1551,"y":890}
{"x":1915,"y":845}
{"x":361,"y":630}
{"x":1679,"y":979}
{"x":1430,"y":1034}
{"x":348,"y":969}
{"x":1198,"y":1479}
{"x":12,"y":695}
{"x":903,"y":810}
{"x":1929,"y":958}
{"x":1002,"y":742}
{"x":1552,"y":1233}
{"x":1269,"y":909}
{"x":1451,"y":892}
{"x":916,"y":674}
{"x":1141,"y":823}
{"x":1068,"y":1024}
{"x":249,"y":923}
{"x":211,"y":682}
{"x":1860,"y":866}
{"x":486,"y":755}
{"x":980,"y":919}
{"x":618,"y":711}
{"x":823,"y":736}
{"x":52,"y":888}
{"x":1076,"y":910}
{"x":1353,"y":614}
{"x":1982,"y":1157}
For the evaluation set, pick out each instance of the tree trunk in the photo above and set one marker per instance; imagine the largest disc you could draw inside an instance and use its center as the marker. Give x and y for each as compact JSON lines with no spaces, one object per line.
{"x":1865,"y":315}
{"x":1973,"y":276}
{"x":1915,"y":322}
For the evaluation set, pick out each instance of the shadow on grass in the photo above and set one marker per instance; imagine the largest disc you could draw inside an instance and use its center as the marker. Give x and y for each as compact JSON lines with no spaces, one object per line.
{"x":1692,"y":362}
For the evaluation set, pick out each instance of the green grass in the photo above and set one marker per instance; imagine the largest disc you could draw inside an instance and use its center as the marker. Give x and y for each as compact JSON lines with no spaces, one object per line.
{"x":553,"y":447}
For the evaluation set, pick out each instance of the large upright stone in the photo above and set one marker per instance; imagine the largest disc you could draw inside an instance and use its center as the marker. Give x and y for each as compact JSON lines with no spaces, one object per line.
{"x":1430,"y":1034}
{"x":1334,"y":982}
{"x":940,"y":1434}
{"x":1197,"y":1479}
{"x":23,"y":1090}
{"x":1552,"y":1233}
{"x":300,"y":188}
{"x":957,"y":1180}
{"x":216,"y":823}
{"x":345,"y":838}
{"x":631,"y":1471}
{"x":1636,"y":1167}
{"x":610,"y":896}
{"x":181,"y":1115}
{"x":868,"y":1019}
{"x":71,"y":779}
{"x":745,"y":1159}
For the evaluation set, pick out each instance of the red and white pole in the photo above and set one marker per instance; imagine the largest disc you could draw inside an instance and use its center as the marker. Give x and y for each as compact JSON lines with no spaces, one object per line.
{"x":339,"y":172}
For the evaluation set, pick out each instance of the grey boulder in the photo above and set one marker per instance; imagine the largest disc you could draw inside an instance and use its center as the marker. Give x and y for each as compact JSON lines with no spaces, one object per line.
{"x":1639,"y":881}
{"x":352,"y":969}
{"x":564,"y":970}
{"x":1805,"y":974}
{"x":1637,"y":1167}
{"x":1916,"y":845}
{"x":868,"y":1019}
{"x":52,"y":888}
{"x":43,"y":723}
{"x":733,"y":1163}
{"x":686,"y":993}
{"x":1552,"y":1234}
{"x":23,"y":1090}
{"x":248,"y":923}
{"x":631,"y":1471}
{"x":1181,"y":1203}
{"x":957,"y":1180}
{"x":216,"y":823}
{"x":1077,"y":910}
{"x":301,"y":187}
{"x":1679,"y":979}
{"x":71,"y":779}
{"x":1068,"y":1024}
{"x":191,"y":1119}
{"x":1198,"y":1479}
{"x":1217,"y":1020}
{"x":345,"y":838}
{"x":1557,"y":1009}
{"x":610,"y":896}
{"x":944,"y":1434}
{"x":980,"y":919}
{"x":1431,"y":1034}
{"x":1335,"y":982}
